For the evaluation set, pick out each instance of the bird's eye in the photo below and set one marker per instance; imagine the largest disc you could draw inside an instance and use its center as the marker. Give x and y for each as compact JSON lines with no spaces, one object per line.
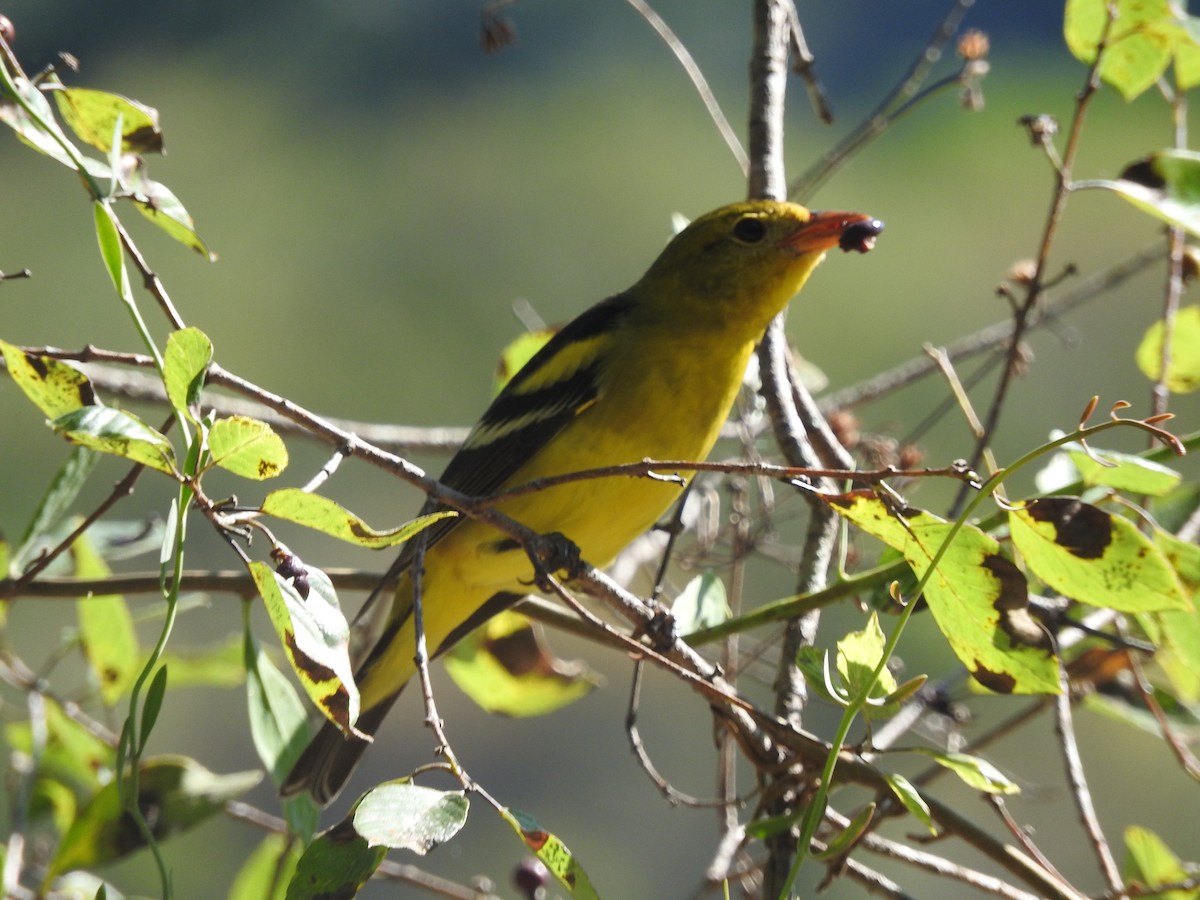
{"x":750,"y":230}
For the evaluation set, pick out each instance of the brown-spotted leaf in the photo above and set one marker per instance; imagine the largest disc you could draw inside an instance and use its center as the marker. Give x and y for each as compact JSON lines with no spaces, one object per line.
{"x":53,"y":386}
{"x":325,"y":515}
{"x":978,"y":598}
{"x":175,"y":794}
{"x":506,"y":668}
{"x":93,"y":115}
{"x":316,"y":637}
{"x":1094,"y":557}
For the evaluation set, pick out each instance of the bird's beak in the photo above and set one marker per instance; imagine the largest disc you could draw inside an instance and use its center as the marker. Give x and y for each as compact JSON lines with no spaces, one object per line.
{"x":826,"y":230}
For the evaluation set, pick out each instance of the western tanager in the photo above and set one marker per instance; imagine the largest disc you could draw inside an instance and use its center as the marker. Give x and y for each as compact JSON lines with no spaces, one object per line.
{"x":648,"y":373}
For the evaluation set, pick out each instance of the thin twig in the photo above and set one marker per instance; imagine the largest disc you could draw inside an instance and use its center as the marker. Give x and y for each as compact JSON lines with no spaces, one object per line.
{"x":988,"y":338}
{"x":932,"y":863}
{"x":1080,"y":792}
{"x":1037,"y":283}
{"x":676,"y":46}
{"x":883,"y":116}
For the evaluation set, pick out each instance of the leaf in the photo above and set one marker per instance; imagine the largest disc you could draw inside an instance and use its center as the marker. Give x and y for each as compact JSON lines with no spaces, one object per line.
{"x":71,"y":753}
{"x":217,"y":665}
{"x":1187,"y":55}
{"x":1096,"y":558}
{"x":111,"y":251}
{"x":1127,"y":472}
{"x":553,"y":852}
{"x":247,"y":447}
{"x":279,"y":729}
{"x":1165,"y":184}
{"x":1140,"y":43}
{"x":844,"y":840}
{"x":174,"y":793}
{"x":105,"y":628}
{"x":701,"y":604}
{"x":975,"y":771}
{"x":278,"y":720}
{"x":859,"y":652}
{"x":324,"y":515}
{"x":406,"y":816}
{"x":336,"y":864}
{"x":505,"y":667}
{"x":1178,"y":631}
{"x":1151,"y":863}
{"x":907,"y":794}
{"x":93,"y":115}
{"x":36,"y":125}
{"x":55,"y":503}
{"x":55,"y":387}
{"x":185,"y":362}
{"x":518,"y":352}
{"x":267,"y":870}
{"x":153,"y":703}
{"x":978,"y":598}
{"x":119,"y":433}
{"x":316,"y":637}
{"x":1183,"y":371}
{"x":159,"y":204}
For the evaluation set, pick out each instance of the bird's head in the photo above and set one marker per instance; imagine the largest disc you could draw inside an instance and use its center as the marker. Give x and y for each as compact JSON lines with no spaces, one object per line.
{"x":746,"y":260}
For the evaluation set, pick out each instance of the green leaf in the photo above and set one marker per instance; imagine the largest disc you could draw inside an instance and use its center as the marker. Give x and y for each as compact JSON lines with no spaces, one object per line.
{"x":1178,"y":631}
{"x":71,"y":753}
{"x":36,"y":126}
{"x":978,"y":598}
{"x":105,"y":628}
{"x":975,"y":771}
{"x":266,"y":872}
{"x":336,"y":864}
{"x":247,"y":447}
{"x":505,"y":667}
{"x":278,"y":719}
{"x":111,"y":251}
{"x":1152,"y":863}
{"x":1187,"y":55}
{"x":324,"y":515}
{"x":316,"y":638}
{"x":1165,"y":184}
{"x":1096,"y":558}
{"x":153,"y":703}
{"x":160,"y":205}
{"x":55,"y":387}
{"x":553,"y":852}
{"x":175,"y":794}
{"x":402,"y":815}
{"x":859,"y":652}
{"x":1183,"y":372}
{"x":55,"y":503}
{"x":1126,"y":472}
{"x":1140,"y":42}
{"x":907,"y":794}
{"x":93,"y":115}
{"x":119,"y":433}
{"x":701,"y":604}
{"x":844,"y":840}
{"x":518,"y":352}
{"x":217,"y":665}
{"x":185,"y":362}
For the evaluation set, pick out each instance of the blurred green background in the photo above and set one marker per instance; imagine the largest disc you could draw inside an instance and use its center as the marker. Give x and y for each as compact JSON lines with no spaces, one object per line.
{"x":380,"y":192}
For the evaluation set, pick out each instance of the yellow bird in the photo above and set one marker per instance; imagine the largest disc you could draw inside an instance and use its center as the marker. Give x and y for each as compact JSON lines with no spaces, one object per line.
{"x":648,"y":373}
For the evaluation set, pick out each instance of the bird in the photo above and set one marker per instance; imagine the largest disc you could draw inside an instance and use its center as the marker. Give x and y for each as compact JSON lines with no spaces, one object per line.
{"x":648,"y":373}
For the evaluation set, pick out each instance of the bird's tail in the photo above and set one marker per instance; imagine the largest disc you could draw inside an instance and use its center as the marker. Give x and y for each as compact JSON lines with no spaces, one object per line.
{"x":329,"y":759}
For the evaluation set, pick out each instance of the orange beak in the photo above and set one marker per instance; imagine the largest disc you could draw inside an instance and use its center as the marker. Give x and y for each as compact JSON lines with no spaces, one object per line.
{"x":826,"y":230}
